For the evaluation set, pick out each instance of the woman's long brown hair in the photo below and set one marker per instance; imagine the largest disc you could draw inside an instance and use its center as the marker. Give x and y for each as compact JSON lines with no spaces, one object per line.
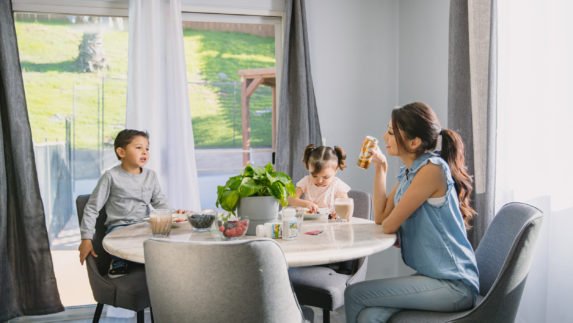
{"x":419,"y":120}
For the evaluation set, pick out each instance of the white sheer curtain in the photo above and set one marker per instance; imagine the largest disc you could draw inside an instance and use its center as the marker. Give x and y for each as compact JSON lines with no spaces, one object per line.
{"x":157,"y":97}
{"x":535,"y":150}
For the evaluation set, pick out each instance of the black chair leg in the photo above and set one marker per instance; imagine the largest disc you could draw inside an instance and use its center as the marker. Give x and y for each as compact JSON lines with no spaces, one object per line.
{"x":141,"y":316}
{"x":151,"y":314}
{"x":325,"y":315}
{"x":97,"y":313}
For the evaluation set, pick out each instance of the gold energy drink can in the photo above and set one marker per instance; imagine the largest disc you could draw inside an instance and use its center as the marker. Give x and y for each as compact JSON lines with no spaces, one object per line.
{"x":366,"y":152}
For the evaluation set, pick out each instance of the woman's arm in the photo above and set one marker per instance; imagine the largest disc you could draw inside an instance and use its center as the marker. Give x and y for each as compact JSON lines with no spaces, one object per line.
{"x":428,"y":181}
{"x":384,"y":208}
{"x":381,"y":203}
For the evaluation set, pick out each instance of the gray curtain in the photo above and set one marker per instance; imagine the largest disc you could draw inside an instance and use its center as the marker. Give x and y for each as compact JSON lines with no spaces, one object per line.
{"x":472,"y":78}
{"x":27,"y":281}
{"x":298,"y":117}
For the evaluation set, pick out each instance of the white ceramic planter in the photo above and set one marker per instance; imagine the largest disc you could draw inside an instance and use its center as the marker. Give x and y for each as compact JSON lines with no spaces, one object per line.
{"x":259,"y":210}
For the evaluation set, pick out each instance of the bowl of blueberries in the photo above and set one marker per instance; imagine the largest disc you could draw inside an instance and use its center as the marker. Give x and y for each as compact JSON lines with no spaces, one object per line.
{"x":203,"y":220}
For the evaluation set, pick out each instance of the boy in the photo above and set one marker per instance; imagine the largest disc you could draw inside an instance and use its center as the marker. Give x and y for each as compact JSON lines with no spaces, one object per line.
{"x":127,"y":191}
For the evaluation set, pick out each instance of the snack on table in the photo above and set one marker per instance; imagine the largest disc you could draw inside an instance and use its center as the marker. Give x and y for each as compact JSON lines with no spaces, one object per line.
{"x":233,"y":228}
{"x":201,"y":221}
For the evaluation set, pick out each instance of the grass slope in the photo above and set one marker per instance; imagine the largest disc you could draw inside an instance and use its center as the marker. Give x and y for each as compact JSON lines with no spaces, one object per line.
{"x":48,"y":52}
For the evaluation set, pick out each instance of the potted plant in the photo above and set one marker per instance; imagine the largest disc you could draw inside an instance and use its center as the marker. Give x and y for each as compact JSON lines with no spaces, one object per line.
{"x":255,"y":194}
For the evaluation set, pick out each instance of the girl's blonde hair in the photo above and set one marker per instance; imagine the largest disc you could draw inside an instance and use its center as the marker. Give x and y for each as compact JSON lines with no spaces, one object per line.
{"x":319,"y":156}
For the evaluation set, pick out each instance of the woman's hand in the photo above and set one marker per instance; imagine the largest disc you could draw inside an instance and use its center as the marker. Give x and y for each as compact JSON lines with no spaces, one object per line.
{"x":86,"y":248}
{"x":379,"y":159}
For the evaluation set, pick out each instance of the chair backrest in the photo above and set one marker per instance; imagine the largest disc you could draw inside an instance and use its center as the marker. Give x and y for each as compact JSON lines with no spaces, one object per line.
{"x":362,"y":204}
{"x":233,"y":281}
{"x":504,"y":257}
{"x":103,"y":259}
{"x":362,"y":209}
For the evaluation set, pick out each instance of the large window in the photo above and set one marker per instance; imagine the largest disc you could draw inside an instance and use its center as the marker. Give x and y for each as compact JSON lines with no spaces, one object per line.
{"x":74,"y":70}
{"x":224,"y":54}
{"x":75,"y":73}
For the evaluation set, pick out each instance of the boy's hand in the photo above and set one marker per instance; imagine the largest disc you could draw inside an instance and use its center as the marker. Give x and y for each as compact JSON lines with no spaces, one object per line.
{"x":85,"y":249}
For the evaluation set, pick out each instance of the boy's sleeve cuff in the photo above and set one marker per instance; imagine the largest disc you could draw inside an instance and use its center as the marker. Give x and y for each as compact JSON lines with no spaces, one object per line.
{"x":87,"y":236}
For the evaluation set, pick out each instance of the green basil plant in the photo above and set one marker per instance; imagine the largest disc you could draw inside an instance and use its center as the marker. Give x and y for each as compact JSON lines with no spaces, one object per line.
{"x":255,"y":181}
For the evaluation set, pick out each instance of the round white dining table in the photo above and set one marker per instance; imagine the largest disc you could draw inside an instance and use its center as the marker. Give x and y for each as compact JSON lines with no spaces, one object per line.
{"x":339,"y":241}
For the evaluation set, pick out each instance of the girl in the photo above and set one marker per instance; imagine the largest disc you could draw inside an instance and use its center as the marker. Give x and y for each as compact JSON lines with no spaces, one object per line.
{"x":429,"y":209}
{"x":321,"y":186}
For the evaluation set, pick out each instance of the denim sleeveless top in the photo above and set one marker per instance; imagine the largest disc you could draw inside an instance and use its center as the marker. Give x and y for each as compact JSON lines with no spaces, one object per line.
{"x":433,"y":239}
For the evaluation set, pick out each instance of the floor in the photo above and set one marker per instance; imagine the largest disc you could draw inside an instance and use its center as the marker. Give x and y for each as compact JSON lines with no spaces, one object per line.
{"x":84,"y":314}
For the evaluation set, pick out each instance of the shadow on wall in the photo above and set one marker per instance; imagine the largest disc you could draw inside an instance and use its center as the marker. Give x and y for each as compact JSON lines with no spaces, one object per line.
{"x":549,"y":278}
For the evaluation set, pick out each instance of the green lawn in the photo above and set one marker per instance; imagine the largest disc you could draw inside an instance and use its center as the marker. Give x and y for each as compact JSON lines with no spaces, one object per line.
{"x":48,"y":52}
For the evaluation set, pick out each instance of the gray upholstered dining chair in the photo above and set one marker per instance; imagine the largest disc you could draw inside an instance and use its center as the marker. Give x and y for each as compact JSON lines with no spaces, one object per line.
{"x":322,"y":286}
{"x":504,"y":257}
{"x":220,"y":281}
{"x":129,"y":291}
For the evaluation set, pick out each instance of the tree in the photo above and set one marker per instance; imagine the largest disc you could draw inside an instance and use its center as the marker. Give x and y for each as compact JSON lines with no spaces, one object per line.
{"x":91,"y":56}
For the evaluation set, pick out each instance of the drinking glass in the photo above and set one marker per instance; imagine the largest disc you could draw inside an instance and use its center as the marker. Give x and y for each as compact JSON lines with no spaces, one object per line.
{"x":344,"y":208}
{"x":160,"y":222}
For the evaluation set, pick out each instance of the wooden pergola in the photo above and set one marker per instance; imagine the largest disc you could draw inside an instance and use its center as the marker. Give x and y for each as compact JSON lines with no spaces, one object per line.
{"x":250,"y":81}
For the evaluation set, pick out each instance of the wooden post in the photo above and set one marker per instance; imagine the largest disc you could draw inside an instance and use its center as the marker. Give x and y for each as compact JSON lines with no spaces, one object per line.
{"x":246,"y":127}
{"x":274,"y":119}
{"x":250,"y":81}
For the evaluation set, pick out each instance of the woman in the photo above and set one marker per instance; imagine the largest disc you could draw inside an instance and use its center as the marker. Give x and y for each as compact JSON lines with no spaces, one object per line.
{"x":429,"y":210}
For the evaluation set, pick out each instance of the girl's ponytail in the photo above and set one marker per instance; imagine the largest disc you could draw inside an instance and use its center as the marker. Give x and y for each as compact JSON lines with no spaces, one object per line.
{"x":316,"y":158}
{"x":306,"y":155}
{"x":341,"y":157}
{"x":453,"y":153}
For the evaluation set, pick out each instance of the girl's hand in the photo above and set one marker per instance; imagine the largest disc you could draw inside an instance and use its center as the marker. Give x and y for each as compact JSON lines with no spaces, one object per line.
{"x":332,"y":215}
{"x":378,"y":158}
{"x":86,"y":248}
{"x":312,"y":207}
{"x":180,"y":211}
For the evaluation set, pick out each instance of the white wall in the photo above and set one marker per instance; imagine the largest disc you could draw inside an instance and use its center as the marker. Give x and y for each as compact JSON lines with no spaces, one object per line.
{"x":423,"y":50}
{"x":353,"y":52}
{"x":368,"y":57}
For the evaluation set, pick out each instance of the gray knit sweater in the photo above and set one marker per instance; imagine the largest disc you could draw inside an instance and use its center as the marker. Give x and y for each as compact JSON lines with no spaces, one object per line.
{"x":126,"y":197}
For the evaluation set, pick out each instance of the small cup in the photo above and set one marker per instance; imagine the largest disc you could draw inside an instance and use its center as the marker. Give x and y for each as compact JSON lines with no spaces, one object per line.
{"x":287,"y":212}
{"x":160,"y":222}
{"x":299,"y":218}
{"x":344,"y":208}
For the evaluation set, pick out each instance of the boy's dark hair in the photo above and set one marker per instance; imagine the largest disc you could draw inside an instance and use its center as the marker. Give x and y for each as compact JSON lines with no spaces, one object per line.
{"x":319,"y":156}
{"x":125,"y":137}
